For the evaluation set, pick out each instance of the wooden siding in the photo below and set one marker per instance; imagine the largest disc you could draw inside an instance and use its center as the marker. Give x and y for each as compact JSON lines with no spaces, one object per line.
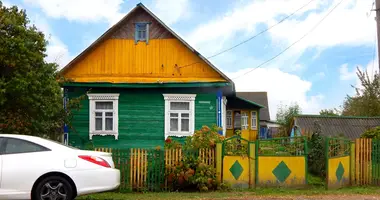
{"x":141,"y":118}
{"x":126,"y":29}
{"x":123,"y":61}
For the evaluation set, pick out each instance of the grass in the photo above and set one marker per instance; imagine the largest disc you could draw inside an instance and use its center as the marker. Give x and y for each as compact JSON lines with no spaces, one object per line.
{"x":235,"y":193}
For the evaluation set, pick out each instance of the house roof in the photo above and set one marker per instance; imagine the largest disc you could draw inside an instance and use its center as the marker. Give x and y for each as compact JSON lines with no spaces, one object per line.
{"x":115,"y":27}
{"x":235,"y":102}
{"x":351,"y":127}
{"x":259,"y":98}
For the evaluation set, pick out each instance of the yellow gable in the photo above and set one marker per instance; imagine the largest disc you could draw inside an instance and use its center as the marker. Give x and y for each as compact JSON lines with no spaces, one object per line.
{"x":116,"y":57}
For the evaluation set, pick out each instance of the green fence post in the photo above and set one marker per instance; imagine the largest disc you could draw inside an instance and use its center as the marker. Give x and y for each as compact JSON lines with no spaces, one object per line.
{"x":352,"y":164}
{"x":218,"y":152}
{"x":306,"y":151}
{"x":252,"y":164}
{"x":327,"y":161}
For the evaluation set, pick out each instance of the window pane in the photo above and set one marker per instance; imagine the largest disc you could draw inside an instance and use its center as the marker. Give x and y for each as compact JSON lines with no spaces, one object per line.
{"x":173,"y":114}
{"x":104,"y":105}
{"x":237,"y":120}
{"x":98,"y":114}
{"x":179,"y":106}
{"x":22,"y":146}
{"x":185,"y":124}
{"x":109,"y":114}
{"x":174,"y":124}
{"x":109,"y":124}
{"x":98,"y":124}
{"x":185,"y":115}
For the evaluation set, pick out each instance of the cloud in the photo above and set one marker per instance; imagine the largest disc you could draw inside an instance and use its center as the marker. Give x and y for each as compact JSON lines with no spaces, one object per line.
{"x":242,"y":19}
{"x":282,"y":88}
{"x":81,"y":10}
{"x":345,"y":74}
{"x":348,"y":25}
{"x":171,"y":11}
{"x":56,"y":50}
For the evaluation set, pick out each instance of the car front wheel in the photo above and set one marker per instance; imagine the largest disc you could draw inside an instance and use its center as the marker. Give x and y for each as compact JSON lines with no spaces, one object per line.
{"x":53,"y":188}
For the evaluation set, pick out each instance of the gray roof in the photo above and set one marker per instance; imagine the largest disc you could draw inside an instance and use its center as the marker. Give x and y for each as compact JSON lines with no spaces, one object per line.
{"x":260,"y":98}
{"x":351,"y":127}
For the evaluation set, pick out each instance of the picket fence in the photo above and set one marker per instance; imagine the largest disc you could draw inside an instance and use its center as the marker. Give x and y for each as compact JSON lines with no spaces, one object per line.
{"x":145,"y":169}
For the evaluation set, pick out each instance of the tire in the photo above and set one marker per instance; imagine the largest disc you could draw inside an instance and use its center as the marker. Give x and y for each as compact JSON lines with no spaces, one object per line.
{"x":53,"y":188}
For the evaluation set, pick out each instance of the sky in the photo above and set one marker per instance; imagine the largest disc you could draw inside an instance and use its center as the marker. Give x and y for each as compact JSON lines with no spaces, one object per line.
{"x":318,"y":72}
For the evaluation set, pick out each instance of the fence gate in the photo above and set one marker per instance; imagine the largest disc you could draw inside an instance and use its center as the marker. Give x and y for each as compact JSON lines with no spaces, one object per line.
{"x":337,"y":162}
{"x":282,"y":162}
{"x":238,"y":162}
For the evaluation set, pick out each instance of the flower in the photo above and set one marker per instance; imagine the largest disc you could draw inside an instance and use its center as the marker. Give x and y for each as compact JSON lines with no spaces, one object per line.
{"x":168,"y":140}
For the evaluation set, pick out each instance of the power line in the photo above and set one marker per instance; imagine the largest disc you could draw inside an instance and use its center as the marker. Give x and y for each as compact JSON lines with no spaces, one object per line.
{"x":247,"y":40}
{"x":294,"y":43}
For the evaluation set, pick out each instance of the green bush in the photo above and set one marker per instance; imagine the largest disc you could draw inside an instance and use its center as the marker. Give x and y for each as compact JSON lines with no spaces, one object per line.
{"x":373,"y":133}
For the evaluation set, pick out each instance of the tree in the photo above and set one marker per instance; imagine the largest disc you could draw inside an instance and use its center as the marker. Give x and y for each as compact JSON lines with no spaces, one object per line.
{"x":366,"y":102}
{"x":329,"y":112}
{"x":30,"y":96}
{"x":285,"y":115}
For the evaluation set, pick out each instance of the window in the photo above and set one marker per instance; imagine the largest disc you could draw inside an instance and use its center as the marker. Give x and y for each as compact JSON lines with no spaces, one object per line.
{"x":15,"y":146}
{"x":104,"y":114}
{"x":179,"y":114}
{"x":237,"y":120}
{"x":229,"y":119}
{"x":244,"y":121}
{"x":254,"y":120}
{"x":141,"y":32}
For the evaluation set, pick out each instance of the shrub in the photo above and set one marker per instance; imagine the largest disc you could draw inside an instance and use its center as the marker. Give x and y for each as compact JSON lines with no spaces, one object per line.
{"x":191,"y":173}
{"x":373,"y":133}
{"x":203,"y":138}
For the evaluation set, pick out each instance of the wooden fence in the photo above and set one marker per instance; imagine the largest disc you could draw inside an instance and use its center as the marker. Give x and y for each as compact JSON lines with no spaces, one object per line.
{"x":363,"y":162}
{"x":144,"y":169}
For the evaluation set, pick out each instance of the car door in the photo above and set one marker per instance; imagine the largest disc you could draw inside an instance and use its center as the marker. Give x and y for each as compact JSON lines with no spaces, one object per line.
{"x":22,"y":163}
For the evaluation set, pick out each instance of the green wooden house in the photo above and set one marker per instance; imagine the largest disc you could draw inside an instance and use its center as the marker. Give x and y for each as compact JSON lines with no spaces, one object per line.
{"x":143,"y":83}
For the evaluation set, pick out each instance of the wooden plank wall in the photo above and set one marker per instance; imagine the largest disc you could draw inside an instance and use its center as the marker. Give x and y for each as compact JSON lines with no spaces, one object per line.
{"x":363,"y":162}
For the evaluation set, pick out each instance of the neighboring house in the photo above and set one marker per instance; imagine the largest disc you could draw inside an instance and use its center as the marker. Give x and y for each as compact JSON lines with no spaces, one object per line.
{"x":268,"y":128}
{"x":143,"y":83}
{"x":349,"y":127}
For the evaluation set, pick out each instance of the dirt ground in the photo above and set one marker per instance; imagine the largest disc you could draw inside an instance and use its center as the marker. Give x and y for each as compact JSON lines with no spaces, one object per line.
{"x":322,"y":197}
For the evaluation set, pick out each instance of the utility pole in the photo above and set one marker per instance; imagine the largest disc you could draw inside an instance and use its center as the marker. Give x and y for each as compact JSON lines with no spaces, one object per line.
{"x":377,"y":18}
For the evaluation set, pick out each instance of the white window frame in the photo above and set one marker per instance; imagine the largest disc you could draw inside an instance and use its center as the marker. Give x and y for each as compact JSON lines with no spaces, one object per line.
{"x":244,"y":121}
{"x":253,"y":120}
{"x":229,"y":119}
{"x":189,"y":98}
{"x":93,"y":98}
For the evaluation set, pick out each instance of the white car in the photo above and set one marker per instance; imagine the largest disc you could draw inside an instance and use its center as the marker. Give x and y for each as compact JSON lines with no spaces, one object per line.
{"x":39,"y":169}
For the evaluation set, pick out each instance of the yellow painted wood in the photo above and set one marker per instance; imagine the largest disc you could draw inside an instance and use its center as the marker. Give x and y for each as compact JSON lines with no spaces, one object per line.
{"x":122,"y":61}
{"x":243,"y":179}
{"x":333,"y":164}
{"x":229,"y":133}
{"x":253,"y":135}
{"x":252,"y":165}
{"x":267,"y":164}
{"x":218,"y":161}
{"x":357,"y":165}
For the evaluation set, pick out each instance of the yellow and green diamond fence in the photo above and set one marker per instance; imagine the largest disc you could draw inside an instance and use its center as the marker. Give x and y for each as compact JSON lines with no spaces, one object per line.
{"x":281,"y":171}
{"x":338,"y":172}
{"x":236,"y":171}
{"x":338,"y":162}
